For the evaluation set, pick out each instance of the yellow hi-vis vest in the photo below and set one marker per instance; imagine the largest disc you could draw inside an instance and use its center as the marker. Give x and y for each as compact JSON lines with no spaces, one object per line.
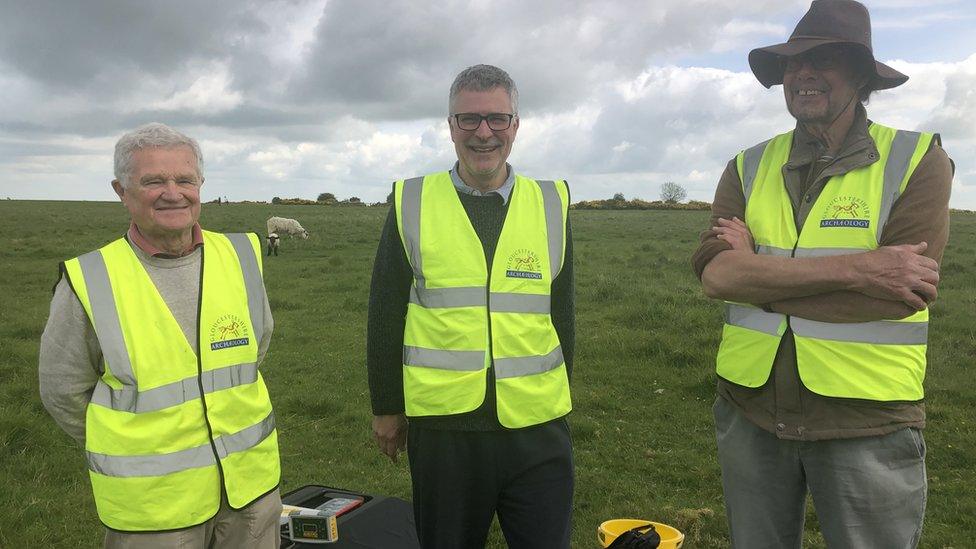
{"x":463,"y":319}
{"x":167,"y":429}
{"x":882,"y":360}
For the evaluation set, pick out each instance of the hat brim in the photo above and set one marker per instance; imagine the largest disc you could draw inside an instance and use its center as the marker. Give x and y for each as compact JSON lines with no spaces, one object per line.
{"x":766,"y":63}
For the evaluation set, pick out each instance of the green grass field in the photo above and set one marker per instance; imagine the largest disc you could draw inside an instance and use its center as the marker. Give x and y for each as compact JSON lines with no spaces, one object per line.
{"x":643,"y":382}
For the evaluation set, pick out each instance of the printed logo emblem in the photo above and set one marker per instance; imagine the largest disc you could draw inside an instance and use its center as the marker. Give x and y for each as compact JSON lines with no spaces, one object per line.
{"x":846,"y":211}
{"x":524,"y":264}
{"x":228,"y":331}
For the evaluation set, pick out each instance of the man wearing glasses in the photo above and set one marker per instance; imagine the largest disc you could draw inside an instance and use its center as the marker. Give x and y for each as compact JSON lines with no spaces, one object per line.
{"x":825,"y":246}
{"x":471,"y":334}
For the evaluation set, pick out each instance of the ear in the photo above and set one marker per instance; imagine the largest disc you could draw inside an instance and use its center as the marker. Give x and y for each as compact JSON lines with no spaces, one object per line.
{"x":119,"y":189}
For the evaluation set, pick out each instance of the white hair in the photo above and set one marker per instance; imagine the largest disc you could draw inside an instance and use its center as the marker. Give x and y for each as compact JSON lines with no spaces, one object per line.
{"x":146,"y":136}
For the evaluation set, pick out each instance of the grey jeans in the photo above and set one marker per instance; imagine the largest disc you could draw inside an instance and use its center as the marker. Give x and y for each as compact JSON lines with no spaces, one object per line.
{"x":868,"y":492}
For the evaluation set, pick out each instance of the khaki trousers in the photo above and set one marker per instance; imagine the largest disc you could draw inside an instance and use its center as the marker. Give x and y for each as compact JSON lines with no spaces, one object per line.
{"x":253,"y":527}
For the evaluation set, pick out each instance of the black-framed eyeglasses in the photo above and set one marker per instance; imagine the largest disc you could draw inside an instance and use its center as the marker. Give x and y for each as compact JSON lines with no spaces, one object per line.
{"x":470,"y":121}
{"x":821,"y":59}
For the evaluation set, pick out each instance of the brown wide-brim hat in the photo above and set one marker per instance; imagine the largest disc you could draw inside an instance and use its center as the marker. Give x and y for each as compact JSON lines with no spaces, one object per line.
{"x":826,"y":22}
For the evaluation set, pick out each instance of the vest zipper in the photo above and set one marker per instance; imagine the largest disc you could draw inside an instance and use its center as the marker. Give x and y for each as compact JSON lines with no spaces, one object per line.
{"x":203,"y":396}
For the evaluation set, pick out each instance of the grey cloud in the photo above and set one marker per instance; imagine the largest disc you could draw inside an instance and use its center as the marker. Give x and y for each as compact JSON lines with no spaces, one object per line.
{"x":375,"y":61}
{"x":12,"y":149}
{"x":396,"y":59}
{"x":70,"y":43}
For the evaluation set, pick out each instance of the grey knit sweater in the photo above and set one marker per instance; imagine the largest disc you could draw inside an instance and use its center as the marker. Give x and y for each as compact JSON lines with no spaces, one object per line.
{"x":70,"y":361}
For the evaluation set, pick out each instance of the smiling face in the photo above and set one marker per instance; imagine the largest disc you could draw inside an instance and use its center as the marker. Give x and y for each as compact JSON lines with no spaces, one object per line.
{"x":482,"y":153}
{"x":820,"y":84}
{"x":163,"y":192}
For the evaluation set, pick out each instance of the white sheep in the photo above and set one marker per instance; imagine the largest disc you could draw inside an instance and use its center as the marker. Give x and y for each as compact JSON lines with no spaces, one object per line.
{"x":283,"y":225}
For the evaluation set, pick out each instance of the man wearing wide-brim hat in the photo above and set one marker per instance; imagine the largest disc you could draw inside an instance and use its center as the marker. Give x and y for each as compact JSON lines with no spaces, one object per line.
{"x":825,"y":246}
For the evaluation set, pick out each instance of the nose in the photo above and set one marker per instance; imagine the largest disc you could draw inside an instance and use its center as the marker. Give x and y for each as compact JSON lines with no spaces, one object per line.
{"x":483,"y":131}
{"x":806,"y":69}
{"x":171,"y":191}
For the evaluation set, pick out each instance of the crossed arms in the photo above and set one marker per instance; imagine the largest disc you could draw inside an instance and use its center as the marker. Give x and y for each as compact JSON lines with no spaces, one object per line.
{"x":891,"y":282}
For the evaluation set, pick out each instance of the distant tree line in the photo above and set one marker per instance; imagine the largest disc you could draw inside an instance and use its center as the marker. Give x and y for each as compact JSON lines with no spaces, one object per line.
{"x":324,"y":199}
{"x":639,"y":204}
{"x":671,"y":196}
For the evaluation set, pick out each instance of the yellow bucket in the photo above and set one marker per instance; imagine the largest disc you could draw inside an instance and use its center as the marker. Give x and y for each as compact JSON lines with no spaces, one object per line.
{"x":671,"y":538}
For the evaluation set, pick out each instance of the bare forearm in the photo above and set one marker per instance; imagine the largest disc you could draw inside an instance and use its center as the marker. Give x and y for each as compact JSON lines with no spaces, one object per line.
{"x":745,"y":277}
{"x":896,"y":273}
{"x":842,"y":306}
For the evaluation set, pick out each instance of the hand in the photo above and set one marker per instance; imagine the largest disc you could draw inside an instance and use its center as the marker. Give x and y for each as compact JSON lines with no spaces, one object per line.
{"x":900,"y":273}
{"x":735,"y":232}
{"x":390,"y":434}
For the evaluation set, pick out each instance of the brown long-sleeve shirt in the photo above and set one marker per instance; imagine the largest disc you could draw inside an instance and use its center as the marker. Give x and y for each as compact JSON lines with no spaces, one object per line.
{"x":783,"y":405}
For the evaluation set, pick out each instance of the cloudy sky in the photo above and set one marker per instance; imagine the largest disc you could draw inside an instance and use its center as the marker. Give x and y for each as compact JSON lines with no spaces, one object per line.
{"x":292,"y":98}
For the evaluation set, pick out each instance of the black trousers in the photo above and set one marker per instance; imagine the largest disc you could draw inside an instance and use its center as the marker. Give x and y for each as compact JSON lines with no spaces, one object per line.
{"x":462,"y":478}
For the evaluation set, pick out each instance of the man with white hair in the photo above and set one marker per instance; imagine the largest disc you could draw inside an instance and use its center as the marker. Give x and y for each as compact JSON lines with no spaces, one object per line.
{"x":470,"y":334}
{"x":150,"y":361}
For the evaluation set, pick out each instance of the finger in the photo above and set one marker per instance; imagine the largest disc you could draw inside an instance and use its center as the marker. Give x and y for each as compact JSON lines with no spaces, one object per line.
{"x":927,"y":292}
{"x":730,"y":230}
{"x":930,"y":277}
{"x":928,"y":263}
{"x":914,"y":301}
{"x":919,"y":248}
{"x":390,"y":451}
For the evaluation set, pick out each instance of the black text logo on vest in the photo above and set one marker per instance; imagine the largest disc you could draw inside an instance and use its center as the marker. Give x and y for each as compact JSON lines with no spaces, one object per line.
{"x":846,"y":211}
{"x":524,"y":264}
{"x":228,"y":331}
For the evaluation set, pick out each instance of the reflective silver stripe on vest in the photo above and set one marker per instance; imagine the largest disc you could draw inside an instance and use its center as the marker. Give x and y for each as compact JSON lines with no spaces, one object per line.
{"x":822,"y":252}
{"x":753,"y":318}
{"x":773,"y":250}
{"x":442,"y":298}
{"x":253,"y":283}
{"x":750,"y":167}
{"x":462,"y":361}
{"x":528,"y":365}
{"x":899,"y":157}
{"x":174,"y":462}
{"x":410,"y":219}
{"x":519,"y":303}
{"x":128,"y":399}
{"x":106,"y":316}
{"x":554,"y":225}
{"x":245,"y":439}
{"x":880,"y":332}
